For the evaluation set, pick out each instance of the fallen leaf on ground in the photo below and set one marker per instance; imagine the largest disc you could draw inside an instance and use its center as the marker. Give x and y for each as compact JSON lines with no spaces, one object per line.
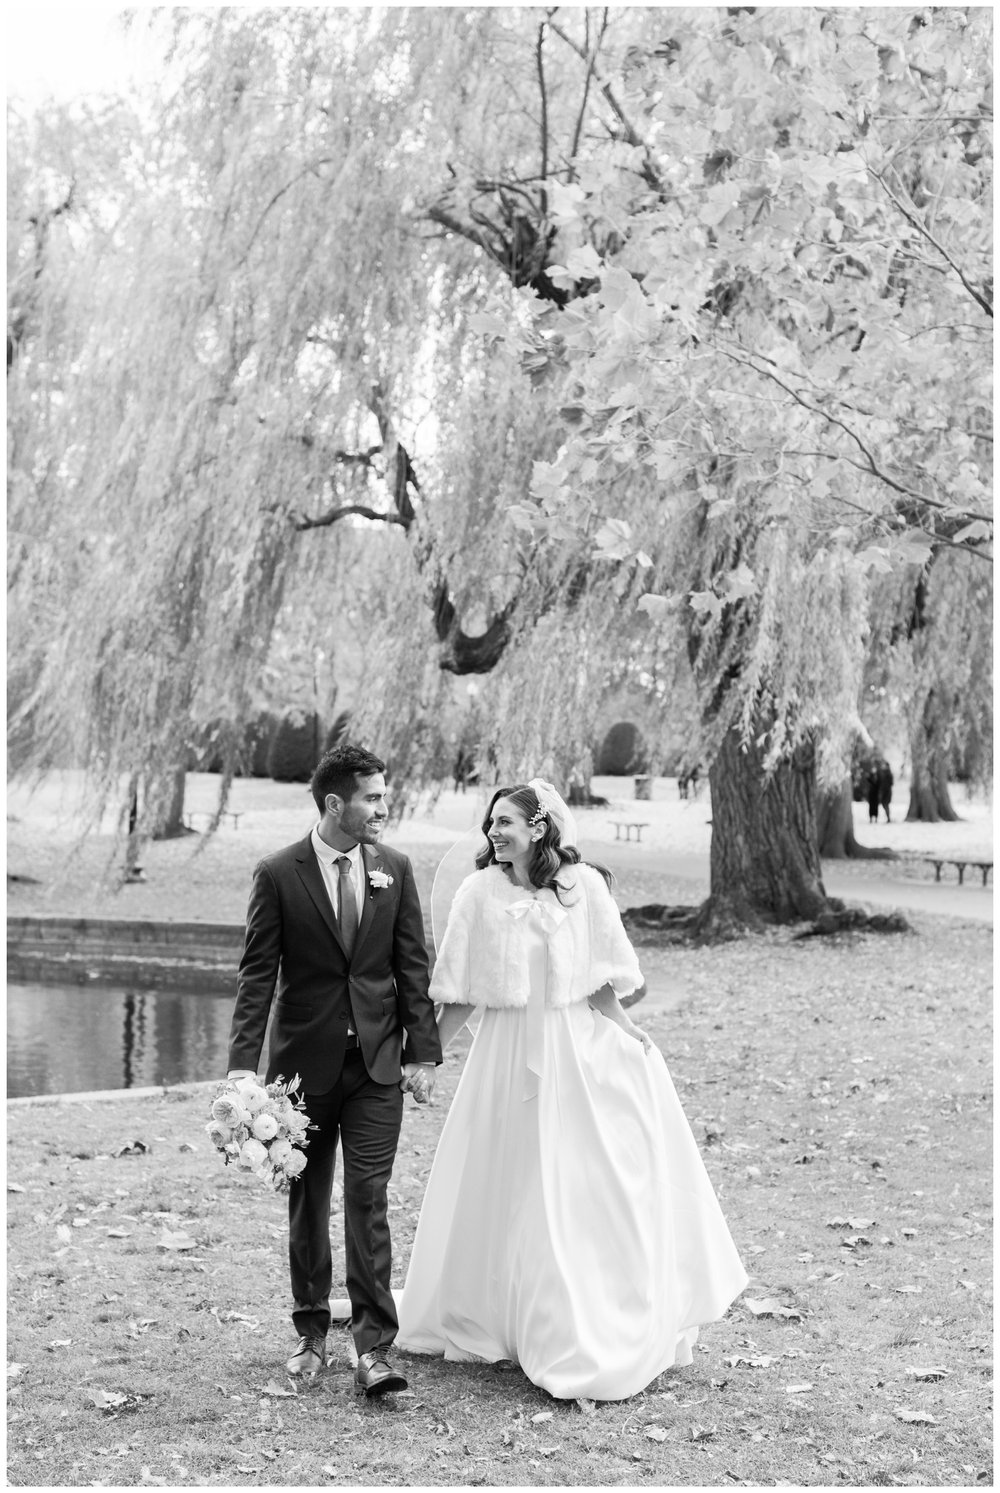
{"x":797,"y":1389}
{"x":251,"y":1322}
{"x":771,"y":1307}
{"x":542,"y":1415}
{"x":929,"y":1375}
{"x":270,"y":1388}
{"x":168,"y":1240}
{"x":113,"y":1402}
{"x":850,"y":1223}
{"x":656,"y":1433}
{"x":14,"y":1187}
{"x":915,"y":1417}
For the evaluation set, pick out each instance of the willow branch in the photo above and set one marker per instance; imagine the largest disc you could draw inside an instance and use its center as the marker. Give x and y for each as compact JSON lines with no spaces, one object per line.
{"x":306,"y":171}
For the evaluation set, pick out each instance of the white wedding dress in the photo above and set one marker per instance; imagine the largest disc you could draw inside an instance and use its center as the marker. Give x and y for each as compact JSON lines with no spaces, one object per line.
{"x":568,"y":1222}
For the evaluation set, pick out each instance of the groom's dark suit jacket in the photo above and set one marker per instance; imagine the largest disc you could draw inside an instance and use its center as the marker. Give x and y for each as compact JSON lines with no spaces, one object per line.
{"x":293,"y":947}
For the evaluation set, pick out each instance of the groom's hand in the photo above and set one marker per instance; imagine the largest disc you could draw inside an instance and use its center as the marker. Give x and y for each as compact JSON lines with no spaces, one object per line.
{"x":418,"y":1078}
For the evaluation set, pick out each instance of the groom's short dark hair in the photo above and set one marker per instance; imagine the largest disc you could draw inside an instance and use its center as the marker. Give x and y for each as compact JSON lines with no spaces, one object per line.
{"x":338,"y":772}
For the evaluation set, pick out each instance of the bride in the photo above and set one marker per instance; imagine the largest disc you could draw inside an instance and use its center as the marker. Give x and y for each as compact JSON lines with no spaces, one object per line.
{"x":568,"y":1223}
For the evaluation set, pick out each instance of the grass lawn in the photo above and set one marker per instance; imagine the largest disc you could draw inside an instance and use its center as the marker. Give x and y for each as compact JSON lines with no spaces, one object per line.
{"x":840,"y":1092}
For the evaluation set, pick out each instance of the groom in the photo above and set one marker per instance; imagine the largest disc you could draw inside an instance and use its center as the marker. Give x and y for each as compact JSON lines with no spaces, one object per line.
{"x":334,"y":925}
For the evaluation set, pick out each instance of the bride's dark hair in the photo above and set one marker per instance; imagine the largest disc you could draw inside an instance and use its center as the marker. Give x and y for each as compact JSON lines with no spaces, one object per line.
{"x":548,"y":856}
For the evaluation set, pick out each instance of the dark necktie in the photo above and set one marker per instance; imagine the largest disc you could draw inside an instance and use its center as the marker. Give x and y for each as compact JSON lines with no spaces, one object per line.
{"x":348,"y":905}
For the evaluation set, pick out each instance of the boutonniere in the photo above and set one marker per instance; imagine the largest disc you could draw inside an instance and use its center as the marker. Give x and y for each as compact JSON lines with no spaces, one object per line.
{"x":379,"y":880}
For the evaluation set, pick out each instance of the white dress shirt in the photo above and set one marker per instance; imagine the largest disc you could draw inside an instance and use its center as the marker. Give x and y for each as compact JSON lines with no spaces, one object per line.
{"x":328,"y":858}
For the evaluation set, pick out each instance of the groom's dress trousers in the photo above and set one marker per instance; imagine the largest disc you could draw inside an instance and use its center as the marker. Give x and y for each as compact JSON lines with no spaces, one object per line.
{"x":344,"y":1016}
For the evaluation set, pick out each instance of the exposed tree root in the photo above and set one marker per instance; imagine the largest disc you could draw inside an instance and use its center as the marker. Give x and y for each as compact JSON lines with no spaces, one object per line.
{"x":656,"y":924}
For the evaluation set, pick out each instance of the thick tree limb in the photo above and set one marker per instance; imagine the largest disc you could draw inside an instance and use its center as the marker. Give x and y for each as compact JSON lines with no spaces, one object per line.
{"x":334,"y":515}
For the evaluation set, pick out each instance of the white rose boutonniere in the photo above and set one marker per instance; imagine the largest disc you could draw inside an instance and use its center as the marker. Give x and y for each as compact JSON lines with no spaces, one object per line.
{"x":379,"y":880}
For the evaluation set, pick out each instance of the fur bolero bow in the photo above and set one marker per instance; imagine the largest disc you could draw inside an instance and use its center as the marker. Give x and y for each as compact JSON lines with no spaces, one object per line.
{"x":483,"y":958}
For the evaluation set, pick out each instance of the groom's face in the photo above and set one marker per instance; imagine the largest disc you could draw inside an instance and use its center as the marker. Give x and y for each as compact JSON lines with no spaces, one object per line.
{"x":364,"y":813}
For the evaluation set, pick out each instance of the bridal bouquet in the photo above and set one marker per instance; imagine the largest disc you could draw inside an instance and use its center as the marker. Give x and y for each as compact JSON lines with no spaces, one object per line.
{"x":261,"y":1128}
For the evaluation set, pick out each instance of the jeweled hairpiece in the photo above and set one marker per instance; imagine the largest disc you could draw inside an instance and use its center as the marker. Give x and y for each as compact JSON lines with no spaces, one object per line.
{"x":538,"y":816}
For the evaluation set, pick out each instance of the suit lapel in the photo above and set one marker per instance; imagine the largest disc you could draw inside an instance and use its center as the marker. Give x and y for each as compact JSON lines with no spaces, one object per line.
{"x":312,"y":879}
{"x":372,"y":859}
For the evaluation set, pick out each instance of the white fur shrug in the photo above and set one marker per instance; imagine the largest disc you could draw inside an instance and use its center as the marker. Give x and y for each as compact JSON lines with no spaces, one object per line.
{"x":483,"y":958}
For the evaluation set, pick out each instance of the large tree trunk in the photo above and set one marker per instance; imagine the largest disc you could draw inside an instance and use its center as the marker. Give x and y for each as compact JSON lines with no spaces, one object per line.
{"x":765,"y":865}
{"x":930,"y":800}
{"x":835,"y":827}
{"x":171,"y":825}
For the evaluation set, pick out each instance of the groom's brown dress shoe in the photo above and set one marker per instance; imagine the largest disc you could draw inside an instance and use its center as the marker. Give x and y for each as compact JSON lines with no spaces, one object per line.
{"x":309,"y":1357}
{"x":376,"y":1376}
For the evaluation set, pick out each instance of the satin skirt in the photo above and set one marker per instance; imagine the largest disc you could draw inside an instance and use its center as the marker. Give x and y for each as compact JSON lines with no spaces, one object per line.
{"x":568,"y":1222}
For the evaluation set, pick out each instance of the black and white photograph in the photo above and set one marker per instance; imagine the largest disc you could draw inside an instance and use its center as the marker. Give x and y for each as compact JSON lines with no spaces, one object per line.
{"x":499,"y":746}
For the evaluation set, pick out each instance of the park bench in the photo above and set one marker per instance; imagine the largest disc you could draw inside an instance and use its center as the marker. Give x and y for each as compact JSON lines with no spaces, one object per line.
{"x":940,"y":861}
{"x":234,"y":814}
{"x":628,"y":825}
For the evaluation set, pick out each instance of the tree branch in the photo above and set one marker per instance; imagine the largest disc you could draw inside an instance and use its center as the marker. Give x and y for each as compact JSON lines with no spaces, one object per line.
{"x":914,"y":219}
{"x":631,"y":134}
{"x":334,"y":515}
{"x":870,"y":464}
{"x":540,"y":66}
{"x":591,"y":63}
{"x":306,"y":171}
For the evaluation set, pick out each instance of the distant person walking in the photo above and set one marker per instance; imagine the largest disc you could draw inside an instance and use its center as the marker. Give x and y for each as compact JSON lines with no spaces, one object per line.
{"x":879,"y":789}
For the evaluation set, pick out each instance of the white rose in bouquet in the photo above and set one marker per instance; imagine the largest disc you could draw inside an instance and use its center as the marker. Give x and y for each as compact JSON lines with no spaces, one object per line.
{"x":228,"y":1111}
{"x":252,"y":1154}
{"x":294,"y":1165}
{"x":279,"y":1151}
{"x":252,"y":1096}
{"x":265,"y":1126}
{"x":218,"y":1134}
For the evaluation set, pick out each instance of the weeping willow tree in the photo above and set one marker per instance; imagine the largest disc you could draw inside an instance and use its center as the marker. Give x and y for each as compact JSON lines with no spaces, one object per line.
{"x":238,"y":324}
{"x":714,"y":238}
{"x":930,"y":671}
{"x":265,"y":339}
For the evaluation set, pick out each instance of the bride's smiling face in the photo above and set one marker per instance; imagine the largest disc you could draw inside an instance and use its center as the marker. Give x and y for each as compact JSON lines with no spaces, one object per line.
{"x":510,"y":833}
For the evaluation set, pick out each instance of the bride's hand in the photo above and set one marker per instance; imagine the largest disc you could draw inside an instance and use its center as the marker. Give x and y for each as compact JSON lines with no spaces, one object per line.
{"x":640,"y":1036}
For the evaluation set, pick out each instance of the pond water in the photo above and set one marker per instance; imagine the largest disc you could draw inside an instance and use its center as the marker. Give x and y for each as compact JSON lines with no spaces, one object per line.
{"x":65,"y":1039}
